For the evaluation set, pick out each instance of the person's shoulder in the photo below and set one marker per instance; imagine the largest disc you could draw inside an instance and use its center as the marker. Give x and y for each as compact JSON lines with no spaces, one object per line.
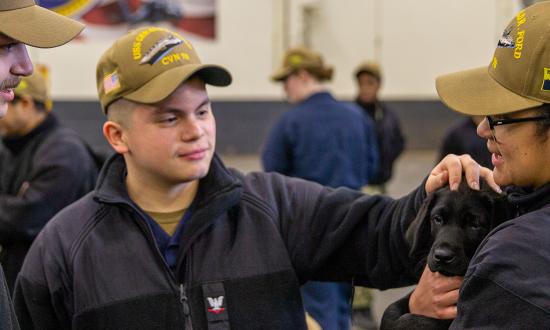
{"x":63,"y":138}
{"x":389,"y":111}
{"x":62,"y":134}
{"x":74,"y":217}
{"x":508,"y":251}
{"x":353,"y":107}
{"x":513,"y":258}
{"x":61,"y":233}
{"x":65,"y":147}
{"x":274,"y":186}
{"x":291,"y":114}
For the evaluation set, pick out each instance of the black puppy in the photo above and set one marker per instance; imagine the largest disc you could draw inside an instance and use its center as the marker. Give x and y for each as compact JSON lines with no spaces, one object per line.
{"x":445,"y":234}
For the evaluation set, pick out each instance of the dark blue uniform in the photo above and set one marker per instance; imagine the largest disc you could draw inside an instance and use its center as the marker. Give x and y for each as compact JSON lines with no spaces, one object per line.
{"x":330,"y":142}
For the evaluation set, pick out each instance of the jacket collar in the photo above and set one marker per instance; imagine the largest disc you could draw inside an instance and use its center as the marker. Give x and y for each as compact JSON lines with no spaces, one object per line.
{"x":319,"y":97}
{"x":219,"y":191}
{"x":527,"y":200}
{"x":214,"y":188}
{"x":17,"y":144}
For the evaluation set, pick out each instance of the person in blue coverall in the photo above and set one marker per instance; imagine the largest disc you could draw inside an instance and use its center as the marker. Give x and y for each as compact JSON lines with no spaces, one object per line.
{"x":327,"y":141}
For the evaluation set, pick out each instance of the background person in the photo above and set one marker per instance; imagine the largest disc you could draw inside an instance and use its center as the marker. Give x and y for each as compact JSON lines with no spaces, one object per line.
{"x":326,"y":141}
{"x":391,"y":144}
{"x":45,"y":167}
{"x":391,"y":141}
{"x":462,"y":138}
{"x":242,"y":244}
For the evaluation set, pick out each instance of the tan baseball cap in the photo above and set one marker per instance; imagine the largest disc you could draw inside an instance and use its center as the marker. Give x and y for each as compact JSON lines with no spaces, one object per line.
{"x":36,"y":86}
{"x":302,"y":58}
{"x":148,"y":64}
{"x":33,"y":25}
{"x":518,"y":76}
{"x":369,"y":67}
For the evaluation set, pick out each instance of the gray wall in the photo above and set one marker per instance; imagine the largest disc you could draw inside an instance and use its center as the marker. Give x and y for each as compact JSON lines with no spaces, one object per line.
{"x":243,"y":126}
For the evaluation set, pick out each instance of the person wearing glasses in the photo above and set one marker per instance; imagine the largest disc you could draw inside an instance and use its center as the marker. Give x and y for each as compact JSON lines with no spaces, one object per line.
{"x":507,"y":284}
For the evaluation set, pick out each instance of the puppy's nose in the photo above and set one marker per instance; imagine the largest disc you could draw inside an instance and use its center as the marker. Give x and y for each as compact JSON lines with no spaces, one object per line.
{"x":445,"y":256}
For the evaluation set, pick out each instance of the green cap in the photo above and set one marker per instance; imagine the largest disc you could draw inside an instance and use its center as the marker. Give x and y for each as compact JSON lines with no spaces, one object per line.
{"x":148,"y":64}
{"x":302,"y":58}
{"x":33,"y":25}
{"x":518,"y":76}
{"x":36,"y":86}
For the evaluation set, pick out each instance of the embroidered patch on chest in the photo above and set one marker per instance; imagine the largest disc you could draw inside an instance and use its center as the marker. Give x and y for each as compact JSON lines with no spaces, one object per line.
{"x":215,"y":304}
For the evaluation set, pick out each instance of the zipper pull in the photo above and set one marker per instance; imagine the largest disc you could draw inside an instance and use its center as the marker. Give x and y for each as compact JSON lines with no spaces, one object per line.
{"x":184,"y":301}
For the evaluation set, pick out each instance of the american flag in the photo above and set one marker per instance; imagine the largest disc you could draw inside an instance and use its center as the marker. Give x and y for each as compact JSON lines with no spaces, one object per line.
{"x":111,"y":82}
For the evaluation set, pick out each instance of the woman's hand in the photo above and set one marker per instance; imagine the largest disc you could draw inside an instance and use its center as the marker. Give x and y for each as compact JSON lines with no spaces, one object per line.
{"x":449,"y":171}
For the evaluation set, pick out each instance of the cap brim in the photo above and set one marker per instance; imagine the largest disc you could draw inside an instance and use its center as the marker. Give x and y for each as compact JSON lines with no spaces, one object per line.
{"x":160,"y":87}
{"x":475,"y":92}
{"x":38,"y":27}
{"x":281,"y":74}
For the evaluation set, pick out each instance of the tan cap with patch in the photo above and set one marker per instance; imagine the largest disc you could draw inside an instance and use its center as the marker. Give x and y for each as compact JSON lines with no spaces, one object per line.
{"x":518,"y":76}
{"x":33,"y":25}
{"x":302,"y":58}
{"x":148,"y":64}
{"x":36,"y":86}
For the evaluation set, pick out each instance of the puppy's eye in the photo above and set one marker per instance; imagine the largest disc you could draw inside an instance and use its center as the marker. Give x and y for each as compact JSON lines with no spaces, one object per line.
{"x":437,"y":219}
{"x":474,"y":224}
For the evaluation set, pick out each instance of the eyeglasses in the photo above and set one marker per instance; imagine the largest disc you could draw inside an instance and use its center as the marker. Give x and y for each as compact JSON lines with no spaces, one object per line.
{"x":498,"y":122}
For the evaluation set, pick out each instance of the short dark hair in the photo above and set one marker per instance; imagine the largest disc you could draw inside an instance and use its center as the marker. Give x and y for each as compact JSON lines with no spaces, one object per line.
{"x":370,"y":73}
{"x":543,"y":125}
{"x":119,"y":111}
{"x":40,"y":106}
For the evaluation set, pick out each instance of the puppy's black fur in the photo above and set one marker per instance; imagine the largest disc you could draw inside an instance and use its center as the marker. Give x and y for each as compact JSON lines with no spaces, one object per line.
{"x":446,"y":232}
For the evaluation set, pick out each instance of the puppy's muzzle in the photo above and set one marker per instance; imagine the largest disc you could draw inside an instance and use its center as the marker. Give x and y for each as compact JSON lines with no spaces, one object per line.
{"x":447,"y":259}
{"x":444,"y":256}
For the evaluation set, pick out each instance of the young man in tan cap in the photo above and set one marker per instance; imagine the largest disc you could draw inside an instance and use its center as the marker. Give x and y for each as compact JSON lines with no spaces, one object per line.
{"x":326,"y":141}
{"x":45,"y":167}
{"x":171,"y":238}
{"x":22,"y":23}
{"x":507,"y":283}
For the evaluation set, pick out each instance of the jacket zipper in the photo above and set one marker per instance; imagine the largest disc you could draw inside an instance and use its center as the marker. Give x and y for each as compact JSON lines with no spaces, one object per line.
{"x":172,"y":279}
{"x":186,"y":310}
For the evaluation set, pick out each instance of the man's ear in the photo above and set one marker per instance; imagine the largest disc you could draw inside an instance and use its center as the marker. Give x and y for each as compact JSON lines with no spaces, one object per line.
{"x":116,"y":136}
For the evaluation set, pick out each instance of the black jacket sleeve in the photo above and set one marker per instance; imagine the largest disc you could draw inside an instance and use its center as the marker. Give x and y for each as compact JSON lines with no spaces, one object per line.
{"x":8,"y":321}
{"x":343,"y":235}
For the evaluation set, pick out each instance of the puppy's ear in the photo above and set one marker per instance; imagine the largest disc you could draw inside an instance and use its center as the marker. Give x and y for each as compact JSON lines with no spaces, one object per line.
{"x":418,"y":235}
{"x":498,"y":205}
{"x":502,"y":210}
